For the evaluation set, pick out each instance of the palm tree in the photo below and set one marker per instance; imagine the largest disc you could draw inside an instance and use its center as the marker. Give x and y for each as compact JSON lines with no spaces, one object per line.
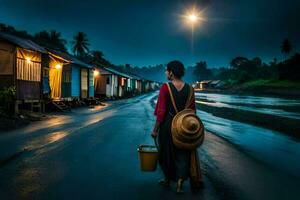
{"x":286,"y":47}
{"x":51,"y":39}
{"x":80,"y":44}
{"x":98,"y":55}
{"x":57,"y":41}
{"x":55,"y":37}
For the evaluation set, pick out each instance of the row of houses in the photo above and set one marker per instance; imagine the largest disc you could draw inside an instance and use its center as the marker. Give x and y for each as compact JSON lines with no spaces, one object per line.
{"x":208,"y":84}
{"x":40,"y":75}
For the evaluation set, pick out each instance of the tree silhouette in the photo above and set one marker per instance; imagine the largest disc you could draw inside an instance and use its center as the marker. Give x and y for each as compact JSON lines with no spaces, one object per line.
{"x":238,"y":63}
{"x":80,"y":44}
{"x":11,"y":30}
{"x":286,"y":47}
{"x":55,"y":39}
{"x":96,"y":57}
{"x":201,"y":72}
{"x":51,"y":39}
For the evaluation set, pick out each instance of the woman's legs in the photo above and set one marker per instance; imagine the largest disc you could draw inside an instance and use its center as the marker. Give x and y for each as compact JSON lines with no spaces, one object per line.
{"x":182,"y":166}
{"x":166,"y":154}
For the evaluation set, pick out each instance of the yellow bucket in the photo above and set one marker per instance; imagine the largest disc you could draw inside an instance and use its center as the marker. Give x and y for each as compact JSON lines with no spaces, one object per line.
{"x":148,"y":155}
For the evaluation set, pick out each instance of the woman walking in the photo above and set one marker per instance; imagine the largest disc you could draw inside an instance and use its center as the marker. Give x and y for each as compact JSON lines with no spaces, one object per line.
{"x":175,"y":163}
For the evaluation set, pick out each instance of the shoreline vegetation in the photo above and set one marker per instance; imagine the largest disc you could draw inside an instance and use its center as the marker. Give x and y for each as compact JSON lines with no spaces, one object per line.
{"x":261,"y":87}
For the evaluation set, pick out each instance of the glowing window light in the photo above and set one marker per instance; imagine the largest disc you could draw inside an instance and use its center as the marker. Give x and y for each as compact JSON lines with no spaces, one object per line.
{"x":96,"y":73}
{"x":28,"y":60}
{"x":58,"y":66}
{"x":123,"y":81}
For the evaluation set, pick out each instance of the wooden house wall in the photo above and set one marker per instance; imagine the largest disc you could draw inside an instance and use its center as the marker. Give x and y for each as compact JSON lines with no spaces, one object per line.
{"x":66,"y":81}
{"x":115,"y":85}
{"x":147,"y":86}
{"x":84,"y":83}
{"x":143,"y":86}
{"x":109,"y":86}
{"x":100,"y":85}
{"x":139,"y":86}
{"x":28,"y":74}
{"x":7,"y":62}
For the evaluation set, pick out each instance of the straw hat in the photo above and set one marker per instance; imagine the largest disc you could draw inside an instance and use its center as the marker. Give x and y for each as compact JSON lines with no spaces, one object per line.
{"x":187,"y":130}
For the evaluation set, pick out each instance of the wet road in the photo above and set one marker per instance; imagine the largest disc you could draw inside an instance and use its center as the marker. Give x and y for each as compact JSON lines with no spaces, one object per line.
{"x":91,"y":154}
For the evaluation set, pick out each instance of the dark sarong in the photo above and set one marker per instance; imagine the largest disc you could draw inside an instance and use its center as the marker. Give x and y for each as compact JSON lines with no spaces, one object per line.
{"x":174,"y":162}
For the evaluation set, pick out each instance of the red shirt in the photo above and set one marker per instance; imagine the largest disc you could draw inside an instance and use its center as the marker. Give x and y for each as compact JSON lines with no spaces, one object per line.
{"x":161,"y":108}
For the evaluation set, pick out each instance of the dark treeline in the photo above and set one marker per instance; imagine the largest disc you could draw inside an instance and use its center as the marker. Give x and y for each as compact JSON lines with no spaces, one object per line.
{"x":240,"y":70}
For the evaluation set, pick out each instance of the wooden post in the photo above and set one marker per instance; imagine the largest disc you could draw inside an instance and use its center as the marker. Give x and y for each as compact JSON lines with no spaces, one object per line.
{"x":16,"y":109}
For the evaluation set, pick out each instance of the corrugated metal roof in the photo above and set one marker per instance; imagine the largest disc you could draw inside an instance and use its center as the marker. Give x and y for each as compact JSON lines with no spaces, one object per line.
{"x":215,"y":82}
{"x":81,"y":63}
{"x":103,"y":71}
{"x":117,"y":72}
{"x":205,"y":81}
{"x":136,"y":77}
{"x":132,"y":76}
{"x":23,"y":43}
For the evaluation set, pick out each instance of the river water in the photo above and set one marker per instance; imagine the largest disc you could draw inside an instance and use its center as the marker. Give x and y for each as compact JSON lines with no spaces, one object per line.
{"x":270,"y":147}
{"x":269,"y":105}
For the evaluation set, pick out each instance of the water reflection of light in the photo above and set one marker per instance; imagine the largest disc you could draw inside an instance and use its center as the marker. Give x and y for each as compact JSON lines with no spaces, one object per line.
{"x":56,"y":136}
{"x":52,"y":122}
{"x":216,"y":104}
{"x":93,"y":119}
{"x":243,"y":99}
{"x":44,"y":140}
{"x":276,"y":112}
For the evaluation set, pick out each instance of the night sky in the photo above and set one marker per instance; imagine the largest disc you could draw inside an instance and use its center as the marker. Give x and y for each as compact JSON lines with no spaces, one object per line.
{"x":148,"y":32}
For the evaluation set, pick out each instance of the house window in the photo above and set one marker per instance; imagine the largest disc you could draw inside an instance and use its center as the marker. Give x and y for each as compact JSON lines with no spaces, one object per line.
{"x":28,"y":70}
{"x":128,"y":83}
{"x":107,"y":81}
{"x":123,"y":81}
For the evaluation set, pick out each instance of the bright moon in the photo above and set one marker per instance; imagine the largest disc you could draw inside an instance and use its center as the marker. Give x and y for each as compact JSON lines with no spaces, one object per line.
{"x":193,"y":17}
